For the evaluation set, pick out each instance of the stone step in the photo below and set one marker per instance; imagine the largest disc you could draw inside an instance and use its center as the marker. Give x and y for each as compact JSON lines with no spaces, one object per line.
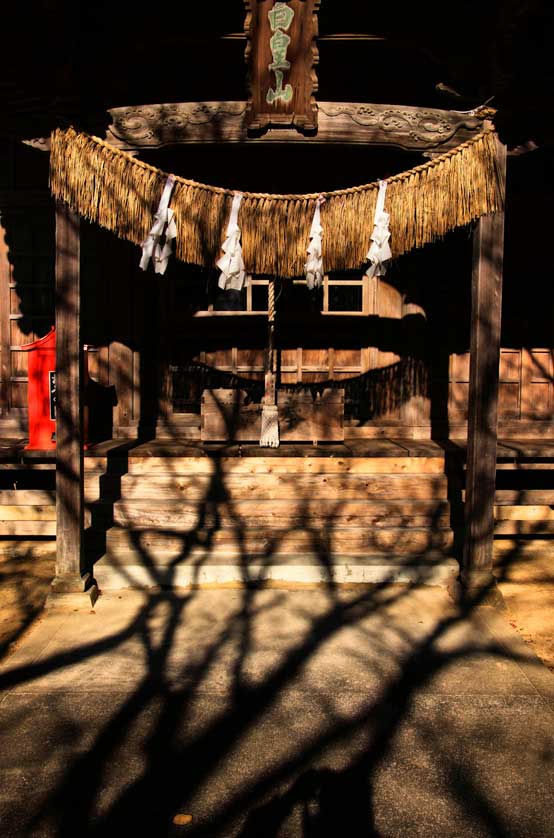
{"x":298,"y":570}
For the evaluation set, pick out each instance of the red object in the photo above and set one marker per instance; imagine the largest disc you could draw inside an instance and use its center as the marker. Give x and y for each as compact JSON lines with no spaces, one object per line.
{"x":42,"y":392}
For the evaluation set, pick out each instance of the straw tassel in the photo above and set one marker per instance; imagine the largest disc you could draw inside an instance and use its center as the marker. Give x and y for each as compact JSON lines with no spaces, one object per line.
{"x":111,"y":188}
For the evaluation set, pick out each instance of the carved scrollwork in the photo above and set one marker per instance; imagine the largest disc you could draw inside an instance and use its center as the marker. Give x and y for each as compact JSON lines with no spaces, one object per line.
{"x":158,"y":125}
{"x":421,"y":128}
{"x":153,"y":126}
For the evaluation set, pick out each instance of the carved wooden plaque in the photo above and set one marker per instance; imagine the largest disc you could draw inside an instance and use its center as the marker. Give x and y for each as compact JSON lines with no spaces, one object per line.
{"x":281,"y":54}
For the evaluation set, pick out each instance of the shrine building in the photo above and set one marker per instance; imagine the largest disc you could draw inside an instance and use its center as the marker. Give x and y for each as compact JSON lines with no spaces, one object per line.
{"x":275,"y":299}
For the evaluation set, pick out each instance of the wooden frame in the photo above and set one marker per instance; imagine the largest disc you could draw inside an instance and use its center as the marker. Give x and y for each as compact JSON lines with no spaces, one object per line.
{"x":70,"y":505}
{"x":486,"y":311}
{"x":329,"y":281}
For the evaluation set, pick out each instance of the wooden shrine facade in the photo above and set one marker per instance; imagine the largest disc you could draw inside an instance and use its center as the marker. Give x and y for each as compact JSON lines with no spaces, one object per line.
{"x":420,"y":353}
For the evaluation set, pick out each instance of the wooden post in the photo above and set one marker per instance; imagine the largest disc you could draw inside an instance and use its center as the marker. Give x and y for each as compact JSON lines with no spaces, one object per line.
{"x":486,"y":305}
{"x":69,"y":410}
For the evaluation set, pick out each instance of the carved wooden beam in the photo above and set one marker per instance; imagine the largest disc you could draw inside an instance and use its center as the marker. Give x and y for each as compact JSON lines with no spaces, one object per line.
{"x":411,"y":128}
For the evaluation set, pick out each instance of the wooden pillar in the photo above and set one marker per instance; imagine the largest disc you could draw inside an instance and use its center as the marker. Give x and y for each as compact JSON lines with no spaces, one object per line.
{"x":69,"y":410}
{"x":486,"y":306}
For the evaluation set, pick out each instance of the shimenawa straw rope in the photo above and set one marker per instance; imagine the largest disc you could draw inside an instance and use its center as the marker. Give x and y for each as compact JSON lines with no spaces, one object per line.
{"x":110,"y":187}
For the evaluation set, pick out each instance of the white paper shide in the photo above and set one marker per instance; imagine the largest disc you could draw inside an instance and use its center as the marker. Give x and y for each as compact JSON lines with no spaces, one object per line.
{"x":379,"y":252}
{"x":164,"y":227}
{"x":231,"y":264}
{"x":314,"y":263}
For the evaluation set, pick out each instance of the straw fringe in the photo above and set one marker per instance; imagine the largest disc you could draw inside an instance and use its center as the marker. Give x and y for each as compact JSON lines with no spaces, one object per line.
{"x":113,"y":189}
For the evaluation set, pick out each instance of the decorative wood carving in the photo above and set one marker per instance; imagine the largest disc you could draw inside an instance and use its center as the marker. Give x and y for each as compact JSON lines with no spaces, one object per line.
{"x":281,"y":55}
{"x":153,"y":126}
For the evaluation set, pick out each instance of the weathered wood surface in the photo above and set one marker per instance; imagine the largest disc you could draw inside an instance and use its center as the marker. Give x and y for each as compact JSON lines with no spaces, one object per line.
{"x":275,"y":465}
{"x":184,"y":515}
{"x":524,"y":527}
{"x":240,"y":487}
{"x":272,"y":543}
{"x":530,"y":466}
{"x":28,"y":512}
{"x":164,"y":448}
{"x":299,"y":27}
{"x":25,"y":468}
{"x":69,"y":419}
{"x":486,"y":311}
{"x":226,"y":416}
{"x":27,"y":528}
{"x":26,"y":497}
{"x":152,"y":126}
{"x":5,"y":339}
{"x":524,"y":513}
{"x":521,"y":497}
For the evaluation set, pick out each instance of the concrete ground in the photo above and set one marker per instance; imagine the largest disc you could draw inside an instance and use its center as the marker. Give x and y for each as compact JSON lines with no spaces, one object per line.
{"x":26,"y":572}
{"x":385,"y":712}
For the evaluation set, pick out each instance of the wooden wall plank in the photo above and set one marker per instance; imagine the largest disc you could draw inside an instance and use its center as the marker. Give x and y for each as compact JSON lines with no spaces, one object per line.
{"x":4,"y":324}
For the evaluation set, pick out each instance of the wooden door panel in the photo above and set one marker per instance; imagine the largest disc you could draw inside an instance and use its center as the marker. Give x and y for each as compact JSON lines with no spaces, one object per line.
{"x":508,"y":400}
{"x":537,"y":400}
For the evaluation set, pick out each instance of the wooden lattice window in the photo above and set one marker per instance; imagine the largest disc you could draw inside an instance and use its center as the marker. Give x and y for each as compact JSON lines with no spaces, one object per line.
{"x":346,"y":294}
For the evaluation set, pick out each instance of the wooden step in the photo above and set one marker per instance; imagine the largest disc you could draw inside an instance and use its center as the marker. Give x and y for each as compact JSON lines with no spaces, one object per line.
{"x":273,"y":486}
{"x":521,"y":527}
{"x":270,"y":465}
{"x":524,"y":513}
{"x":184,"y":515}
{"x":27,"y":497}
{"x":519,"y":497}
{"x":159,"y":546}
{"x":27,"y":528}
{"x":27,"y":512}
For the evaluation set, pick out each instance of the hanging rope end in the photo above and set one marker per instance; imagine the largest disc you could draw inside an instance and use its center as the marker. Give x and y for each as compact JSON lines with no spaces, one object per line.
{"x":269,"y":436}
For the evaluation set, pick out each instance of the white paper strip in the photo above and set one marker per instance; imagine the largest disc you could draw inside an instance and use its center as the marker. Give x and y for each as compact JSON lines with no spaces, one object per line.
{"x":164,"y":225}
{"x":314,"y":263}
{"x":231,"y":264}
{"x":380,"y":251}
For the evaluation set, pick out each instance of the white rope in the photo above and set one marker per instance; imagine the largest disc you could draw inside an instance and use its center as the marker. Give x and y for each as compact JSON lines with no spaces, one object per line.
{"x":164,"y":225}
{"x":231,"y":264}
{"x":380,"y":251}
{"x":314,"y":263}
